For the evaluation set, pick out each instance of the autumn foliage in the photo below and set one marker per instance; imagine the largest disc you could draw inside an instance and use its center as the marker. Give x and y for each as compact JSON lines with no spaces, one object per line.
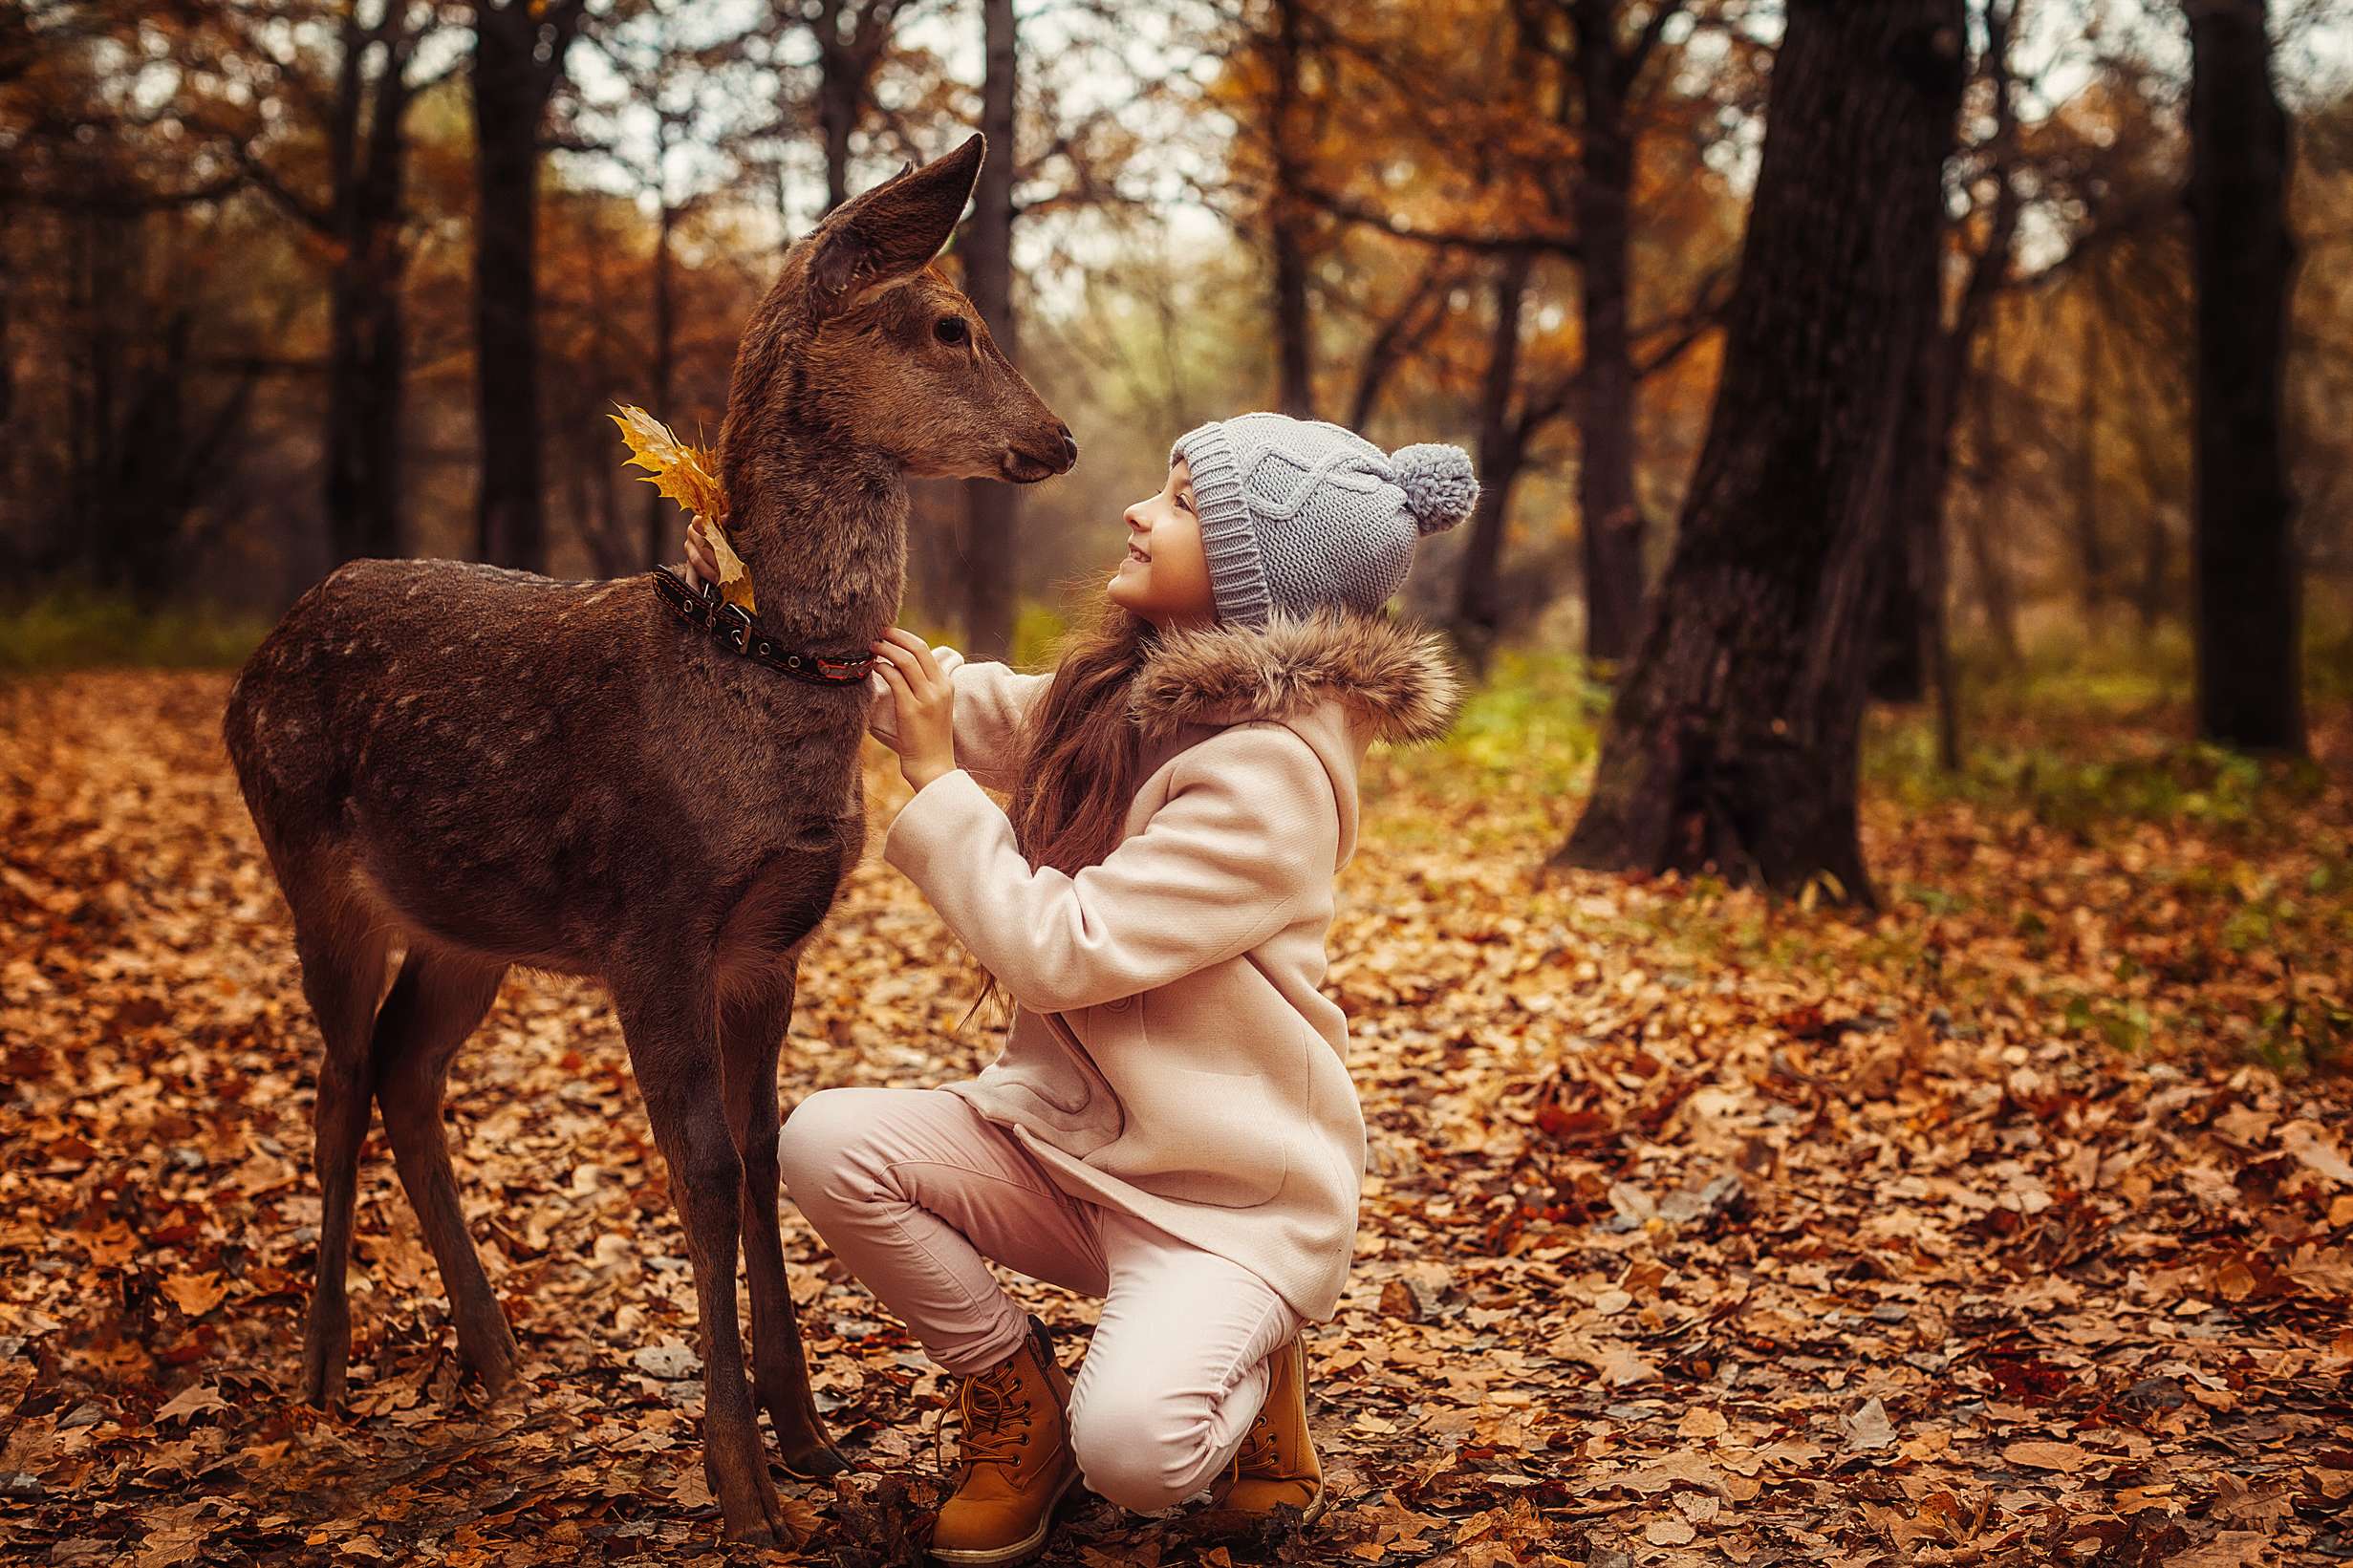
{"x":1700,"y":1228}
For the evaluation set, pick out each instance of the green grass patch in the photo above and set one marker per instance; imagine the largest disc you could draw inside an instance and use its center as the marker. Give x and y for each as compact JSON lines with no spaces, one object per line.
{"x":84,"y":632}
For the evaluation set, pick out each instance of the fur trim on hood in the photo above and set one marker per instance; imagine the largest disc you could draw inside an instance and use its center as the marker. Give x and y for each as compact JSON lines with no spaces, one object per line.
{"x":1392,"y":678}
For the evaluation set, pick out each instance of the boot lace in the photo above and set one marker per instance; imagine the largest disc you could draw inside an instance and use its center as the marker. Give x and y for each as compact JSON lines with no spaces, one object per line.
{"x":986,"y":1404}
{"x":1257,"y":1454}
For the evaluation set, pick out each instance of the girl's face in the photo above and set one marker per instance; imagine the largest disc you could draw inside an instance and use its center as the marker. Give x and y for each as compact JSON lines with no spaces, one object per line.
{"x":1164,"y":577}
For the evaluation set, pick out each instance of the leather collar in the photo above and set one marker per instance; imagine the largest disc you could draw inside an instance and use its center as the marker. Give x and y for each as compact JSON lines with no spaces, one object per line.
{"x":736,"y":631}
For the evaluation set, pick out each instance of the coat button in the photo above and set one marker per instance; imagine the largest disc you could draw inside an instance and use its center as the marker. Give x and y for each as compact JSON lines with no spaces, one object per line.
{"x":1120,"y":1004}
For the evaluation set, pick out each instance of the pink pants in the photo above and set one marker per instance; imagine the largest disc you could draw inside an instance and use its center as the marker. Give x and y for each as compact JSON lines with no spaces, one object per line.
{"x":914,"y":1191}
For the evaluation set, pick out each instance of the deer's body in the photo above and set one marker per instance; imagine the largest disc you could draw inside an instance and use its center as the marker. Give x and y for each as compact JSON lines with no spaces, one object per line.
{"x":555,"y":775}
{"x":487,"y":768}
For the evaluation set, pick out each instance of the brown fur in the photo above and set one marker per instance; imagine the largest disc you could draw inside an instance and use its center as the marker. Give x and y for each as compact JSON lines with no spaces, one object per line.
{"x":490,"y":768}
{"x":1394,"y":679}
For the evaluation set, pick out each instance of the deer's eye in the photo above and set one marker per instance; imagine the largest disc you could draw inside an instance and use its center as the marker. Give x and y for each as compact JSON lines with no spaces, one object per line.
{"x":952,"y":329}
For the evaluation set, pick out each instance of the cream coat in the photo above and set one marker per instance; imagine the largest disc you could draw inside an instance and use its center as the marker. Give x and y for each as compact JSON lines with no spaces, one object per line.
{"x":1170,"y":1054}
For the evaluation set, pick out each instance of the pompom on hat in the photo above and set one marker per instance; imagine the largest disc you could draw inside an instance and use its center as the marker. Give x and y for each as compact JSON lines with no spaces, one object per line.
{"x":1297,"y":515}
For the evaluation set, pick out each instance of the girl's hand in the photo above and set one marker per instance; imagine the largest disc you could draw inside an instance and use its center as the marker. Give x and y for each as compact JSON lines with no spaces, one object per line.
{"x":926,"y":739}
{"x":700,"y":567}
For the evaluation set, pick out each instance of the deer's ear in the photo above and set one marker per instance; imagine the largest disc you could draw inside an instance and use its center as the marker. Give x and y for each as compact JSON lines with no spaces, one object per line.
{"x":893,"y":230}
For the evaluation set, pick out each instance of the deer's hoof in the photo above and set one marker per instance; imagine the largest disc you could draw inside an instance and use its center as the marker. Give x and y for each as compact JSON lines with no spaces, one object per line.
{"x":320,"y":1388}
{"x":497,"y":1374}
{"x":762,"y":1535}
{"x":765,"y":1528}
{"x":815,"y":1462}
{"x":322,"y":1374}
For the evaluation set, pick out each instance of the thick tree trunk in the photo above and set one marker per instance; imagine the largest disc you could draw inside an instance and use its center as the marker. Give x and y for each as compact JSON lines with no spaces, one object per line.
{"x":510,"y":90}
{"x":368,"y":353}
{"x":1607,"y":507}
{"x":1479,"y":610}
{"x":2249,"y":591}
{"x":991,"y":509}
{"x":366,"y":372}
{"x":1915,"y":651}
{"x":1733,"y":742}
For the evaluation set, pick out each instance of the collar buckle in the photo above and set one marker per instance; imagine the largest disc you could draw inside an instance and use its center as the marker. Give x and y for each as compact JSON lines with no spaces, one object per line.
{"x":733,"y":624}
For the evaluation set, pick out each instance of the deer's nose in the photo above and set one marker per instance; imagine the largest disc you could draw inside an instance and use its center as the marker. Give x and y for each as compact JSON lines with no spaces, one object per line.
{"x":1070,"y":448}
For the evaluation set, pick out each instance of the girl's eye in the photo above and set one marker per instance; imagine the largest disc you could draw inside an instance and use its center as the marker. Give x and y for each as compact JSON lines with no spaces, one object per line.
{"x":952,"y":329}
{"x":1185,"y":501}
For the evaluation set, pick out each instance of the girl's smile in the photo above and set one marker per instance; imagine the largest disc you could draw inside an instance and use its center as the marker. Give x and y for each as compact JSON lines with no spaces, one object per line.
{"x":1163,"y":575}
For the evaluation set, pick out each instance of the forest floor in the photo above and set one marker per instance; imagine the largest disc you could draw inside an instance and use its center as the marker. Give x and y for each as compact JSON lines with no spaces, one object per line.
{"x":2012,"y":1225}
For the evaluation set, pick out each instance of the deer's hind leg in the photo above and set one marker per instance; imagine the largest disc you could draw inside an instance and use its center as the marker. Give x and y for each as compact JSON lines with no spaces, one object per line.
{"x":342,"y":947}
{"x":437,"y":999}
{"x":751,"y":1031}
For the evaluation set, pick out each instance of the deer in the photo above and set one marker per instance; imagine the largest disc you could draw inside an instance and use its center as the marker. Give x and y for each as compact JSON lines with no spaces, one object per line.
{"x":490,"y":769}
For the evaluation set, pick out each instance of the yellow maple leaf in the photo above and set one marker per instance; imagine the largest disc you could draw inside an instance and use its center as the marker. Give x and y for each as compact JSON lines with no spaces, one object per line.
{"x":687,"y":475}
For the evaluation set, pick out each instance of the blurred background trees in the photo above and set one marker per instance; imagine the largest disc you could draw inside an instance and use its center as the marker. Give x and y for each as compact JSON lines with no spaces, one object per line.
{"x":283,"y":281}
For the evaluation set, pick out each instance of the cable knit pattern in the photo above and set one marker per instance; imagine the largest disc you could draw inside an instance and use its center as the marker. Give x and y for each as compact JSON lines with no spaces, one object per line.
{"x":1301,"y":514}
{"x":1171,"y":1055}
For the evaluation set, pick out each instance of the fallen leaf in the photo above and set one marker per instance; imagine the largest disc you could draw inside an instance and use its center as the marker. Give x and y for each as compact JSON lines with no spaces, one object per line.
{"x":196,"y":1398}
{"x":1869,"y":1426}
{"x":195,"y":1294}
{"x":2066,"y":1457}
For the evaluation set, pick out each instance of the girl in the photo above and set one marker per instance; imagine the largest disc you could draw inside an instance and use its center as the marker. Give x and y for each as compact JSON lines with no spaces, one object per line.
{"x":1171,"y":1124}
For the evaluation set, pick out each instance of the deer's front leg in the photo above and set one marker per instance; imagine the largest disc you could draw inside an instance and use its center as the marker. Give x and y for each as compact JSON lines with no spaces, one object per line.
{"x":751,"y":1029}
{"x":671,"y":1031}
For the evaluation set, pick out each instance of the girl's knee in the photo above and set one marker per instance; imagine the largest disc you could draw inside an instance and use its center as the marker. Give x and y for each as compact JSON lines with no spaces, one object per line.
{"x":1143,"y":1452}
{"x":818,"y":1145}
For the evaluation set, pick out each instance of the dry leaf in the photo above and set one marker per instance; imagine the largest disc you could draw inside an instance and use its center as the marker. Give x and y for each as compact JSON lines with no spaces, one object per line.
{"x":1869,"y":1428}
{"x":1668,"y":1533}
{"x":688,"y":475}
{"x":2318,"y":1152}
{"x":195,"y":1294}
{"x":1701,"y":1422}
{"x":2038,"y":1456}
{"x":196,"y":1398}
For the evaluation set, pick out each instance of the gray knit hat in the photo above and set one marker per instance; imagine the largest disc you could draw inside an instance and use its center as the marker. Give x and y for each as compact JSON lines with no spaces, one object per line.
{"x":1298,"y":514}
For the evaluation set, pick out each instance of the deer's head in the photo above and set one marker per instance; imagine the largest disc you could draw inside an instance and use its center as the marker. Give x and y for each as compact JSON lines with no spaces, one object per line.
{"x":865,"y":344}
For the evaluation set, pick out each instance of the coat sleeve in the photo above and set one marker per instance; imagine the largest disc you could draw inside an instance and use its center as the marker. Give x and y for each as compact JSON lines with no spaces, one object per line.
{"x":1248,"y":835}
{"x":991,"y":699}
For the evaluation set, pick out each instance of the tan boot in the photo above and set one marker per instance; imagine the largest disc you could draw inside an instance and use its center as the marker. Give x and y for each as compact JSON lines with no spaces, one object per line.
{"x":1014,"y":1462}
{"x":1277,"y":1464}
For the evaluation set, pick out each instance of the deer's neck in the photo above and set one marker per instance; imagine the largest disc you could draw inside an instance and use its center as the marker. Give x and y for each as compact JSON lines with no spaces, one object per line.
{"x":824,"y":539}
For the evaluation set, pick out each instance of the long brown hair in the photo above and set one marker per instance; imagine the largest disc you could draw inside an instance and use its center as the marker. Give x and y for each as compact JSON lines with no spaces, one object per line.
{"x":1080,"y":751}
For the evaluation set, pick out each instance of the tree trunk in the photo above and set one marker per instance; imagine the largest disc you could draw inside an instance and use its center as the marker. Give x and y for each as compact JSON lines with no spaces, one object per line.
{"x":510,"y":90}
{"x":1294,"y":355}
{"x":2090,"y":551}
{"x":839,"y":93}
{"x":661,"y":512}
{"x":1734,"y":740}
{"x":368,"y":351}
{"x":1915,"y":488}
{"x":1916,"y":655}
{"x":1986,"y":560}
{"x":2248,"y":588}
{"x":1478,"y":592}
{"x":990,"y":508}
{"x":1608,"y":510}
